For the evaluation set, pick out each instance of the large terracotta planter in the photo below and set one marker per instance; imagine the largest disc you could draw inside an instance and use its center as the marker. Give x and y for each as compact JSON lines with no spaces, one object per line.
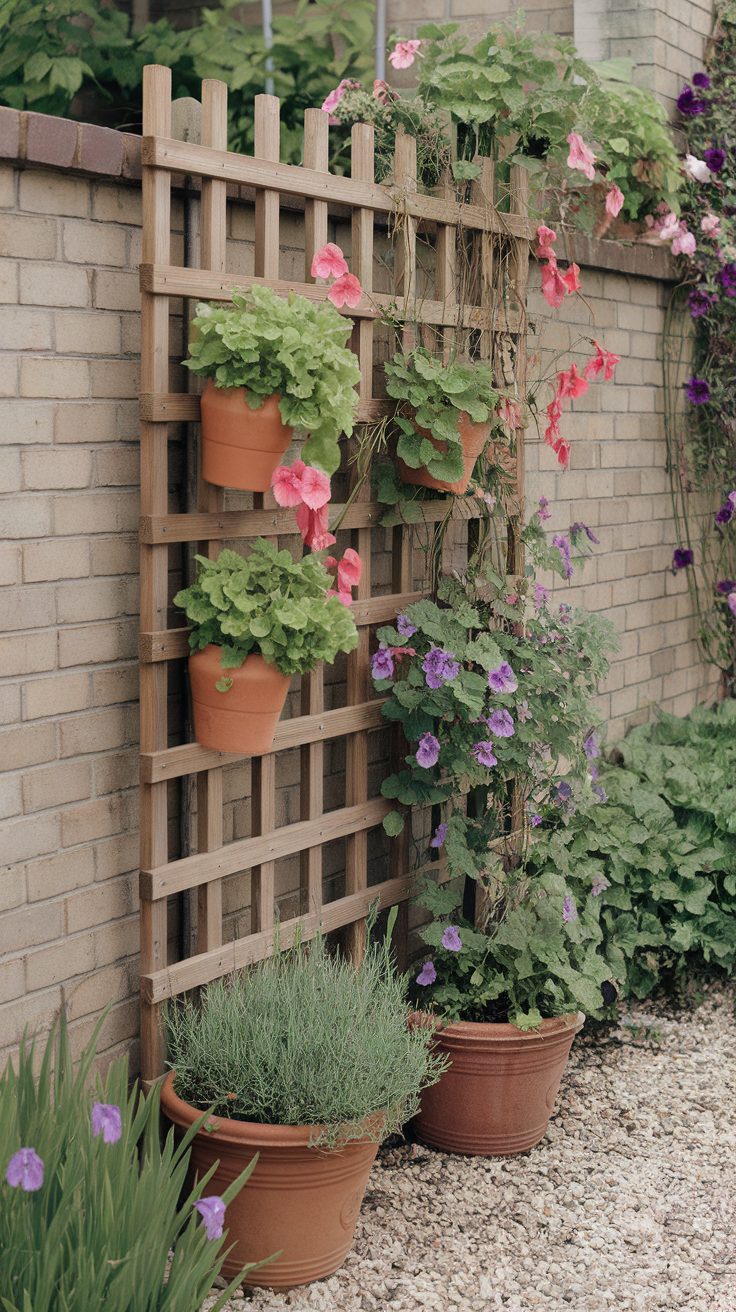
{"x":473,"y":438}
{"x":242,"y":720}
{"x":497,"y":1096}
{"x":241,"y":447}
{"x":299,"y":1202}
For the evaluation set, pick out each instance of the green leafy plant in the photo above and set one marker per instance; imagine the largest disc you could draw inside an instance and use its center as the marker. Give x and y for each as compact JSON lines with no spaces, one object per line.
{"x":389,"y":115}
{"x":305,"y":1038}
{"x":433,"y":395}
{"x":92,"y":1222}
{"x":289,"y":346}
{"x":267,"y":603}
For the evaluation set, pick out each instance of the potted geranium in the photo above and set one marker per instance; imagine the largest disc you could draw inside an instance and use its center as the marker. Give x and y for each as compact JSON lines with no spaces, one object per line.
{"x":444,"y":417}
{"x":272,"y":364}
{"x":307,"y":1061}
{"x":256,"y":621}
{"x":494,"y":709}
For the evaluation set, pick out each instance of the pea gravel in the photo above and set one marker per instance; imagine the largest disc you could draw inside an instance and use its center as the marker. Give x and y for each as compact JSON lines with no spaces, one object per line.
{"x":629,"y":1203}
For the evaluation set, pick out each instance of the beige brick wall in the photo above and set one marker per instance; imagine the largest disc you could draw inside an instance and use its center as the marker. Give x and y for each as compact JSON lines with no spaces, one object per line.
{"x":665,"y":38}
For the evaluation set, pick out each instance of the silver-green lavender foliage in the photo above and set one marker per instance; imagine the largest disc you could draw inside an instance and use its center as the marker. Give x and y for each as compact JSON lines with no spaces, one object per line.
{"x":305,"y":1038}
{"x":100,"y":1230}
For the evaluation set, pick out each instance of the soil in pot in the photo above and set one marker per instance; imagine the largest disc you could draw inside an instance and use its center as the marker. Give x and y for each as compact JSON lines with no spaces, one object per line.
{"x":301,"y":1203}
{"x":242,"y":720}
{"x":473,"y":438}
{"x":497,"y":1097}
{"x":241,"y":447}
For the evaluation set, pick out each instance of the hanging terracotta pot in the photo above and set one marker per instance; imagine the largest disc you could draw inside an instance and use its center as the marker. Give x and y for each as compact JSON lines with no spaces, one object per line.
{"x":299,"y":1202}
{"x":496,"y":1098}
{"x":242,"y":720}
{"x":473,"y":438}
{"x":241,"y":447}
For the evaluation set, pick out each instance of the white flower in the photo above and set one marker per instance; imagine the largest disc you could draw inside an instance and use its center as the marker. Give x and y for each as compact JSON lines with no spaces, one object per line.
{"x":696,"y":168}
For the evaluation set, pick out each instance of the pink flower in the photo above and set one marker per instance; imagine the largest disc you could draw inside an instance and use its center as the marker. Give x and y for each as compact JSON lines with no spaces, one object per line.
{"x":382,"y":91}
{"x":329,"y":262}
{"x":349,"y":570}
{"x":581,"y":156}
{"x":710,"y":224}
{"x":346,"y":291}
{"x":569,"y":383}
{"x":546,"y":238}
{"x":602,"y":362}
{"x":509,"y":412}
{"x":333,"y":100}
{"x":554,"y":287}
{"x":297,"y":484}
{"x":684,"y":243}
{"x":667,"y":227}
{"x":315,"y":488}
{"x":571,"y":278}
{"x":614,"y":200}
{"x":404,"y":53}
{"x":345,"y":598}
{"x":314,"y":528}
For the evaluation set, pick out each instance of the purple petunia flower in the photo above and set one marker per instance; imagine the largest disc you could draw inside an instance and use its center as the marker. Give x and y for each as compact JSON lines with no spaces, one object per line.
{"x":600,"y":792}
{"x":483,"y":753}
{"x":732,"y":602}
{"x":569,"y":910}
{"x":697,"y":391}
{"x":689,"y":104}
{"x":590,"y":746}
{"x":439,"y":667}
{"x":575,"y":529}
{"x":541,"y":595}
{"x":427,"y":974}
{"x":382,"y":664}
{"x":563,"y":791}
{"x":500,"y":724}
{"x":681,"y":558}
{"x":405,"y":626}
{"x":428,"y":751}
{"x":212,"y":1212}
{"x":725,"y":586}
{"x":439,"y":836}
{"x":726,"y":513}
{"x":536,"y":820}
{"x":701,"y":80}
{"x":715,"y":158}
{"x":544,"y":512}
{"x":25,"y":1168}
{"x":599,"y":884}
{"x":727,"y":278}
{"x":700,"y":302}
{"x":503,"y":679}
{"x":563,"y":546}
{"x":451,"y":939}
{"x":107,"y":1121}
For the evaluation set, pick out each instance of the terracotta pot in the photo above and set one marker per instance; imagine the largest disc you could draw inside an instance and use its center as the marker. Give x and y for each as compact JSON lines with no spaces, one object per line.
{"x":473,"y":438}
{"x":241,"y":447}
{"x":300,"y":1202}
{"x":242,"y":720}
{"x":498,"y":1095}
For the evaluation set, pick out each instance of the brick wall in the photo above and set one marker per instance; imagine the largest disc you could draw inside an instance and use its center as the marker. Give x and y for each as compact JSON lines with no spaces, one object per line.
{"x":665,"y":38}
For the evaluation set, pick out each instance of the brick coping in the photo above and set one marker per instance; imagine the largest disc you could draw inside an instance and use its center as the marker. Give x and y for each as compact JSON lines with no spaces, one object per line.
{"x":46,"y":141}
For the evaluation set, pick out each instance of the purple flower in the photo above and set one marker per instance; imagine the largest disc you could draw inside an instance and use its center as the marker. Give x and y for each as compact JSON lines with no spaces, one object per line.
{"x":427,"y":974}
{"x":25,"y":1168}
{"x":451,"y":939}
{"x":697,"y":391}
{"x":689,"y":104}
{"x":715,"y":158}
{"x":681,"y":558}
{"x":544,"y":512}
{"x":503,"y":678}
{"x":569,"y":910}
{"x":440,"y":834}
{"x":439,"y":667}
{"x":700,"y":302}
{"x":600,"y":792}
{"x":575,"y":529}
{"x":593,"y":770}
{"x":536,"y":820}
{"x":563,"y":791}
{"x":726,"y":513}
{"x":727,"y":278}
{"x":590,"y":746}
{"x":725,"y":586}
{"x":541,"y":595}
{"x":599,"y":884}
{"x":701,"y":80}
{"x":483,"y":753}
{"x":500,"y":724}
{"x":405,"y":626}
{"x":732,"y":602}
{"x":212,"y":1212}
{"x":563,"y":546}
{"x":382,"y":665}
{"x":107,"y":1121}
{"x":522,"y":712}
{"x":428,"y":751}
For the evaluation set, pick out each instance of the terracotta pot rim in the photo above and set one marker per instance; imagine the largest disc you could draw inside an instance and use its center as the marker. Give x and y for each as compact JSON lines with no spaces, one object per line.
{"x":272,"y":396}
{"x":250,"y":1133}
{"x":499,"y":1031}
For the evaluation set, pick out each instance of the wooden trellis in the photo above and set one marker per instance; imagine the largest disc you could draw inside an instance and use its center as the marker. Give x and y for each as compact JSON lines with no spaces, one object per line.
{"x":368,"y":205}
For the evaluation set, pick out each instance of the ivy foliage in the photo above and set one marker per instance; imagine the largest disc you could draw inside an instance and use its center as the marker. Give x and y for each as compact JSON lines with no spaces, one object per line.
{"x":435,"y":396}
{"x":267,"y":603}
{"x":290,"y":346}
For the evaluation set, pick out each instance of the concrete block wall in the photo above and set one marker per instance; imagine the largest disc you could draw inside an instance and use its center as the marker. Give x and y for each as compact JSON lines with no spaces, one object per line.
{"x":665,"y":38}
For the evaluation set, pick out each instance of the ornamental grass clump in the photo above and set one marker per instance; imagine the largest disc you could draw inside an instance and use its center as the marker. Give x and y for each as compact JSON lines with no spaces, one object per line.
{"x":307,"y":1039}
{"x":93,"y":1208}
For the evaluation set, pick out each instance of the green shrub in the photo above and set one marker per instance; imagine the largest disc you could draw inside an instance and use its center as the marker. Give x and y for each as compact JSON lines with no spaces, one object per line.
{"x":293,"y":347}
{"x":98,"y":1229}
{"x":436,"y":395}
{"x":304,"y":1039}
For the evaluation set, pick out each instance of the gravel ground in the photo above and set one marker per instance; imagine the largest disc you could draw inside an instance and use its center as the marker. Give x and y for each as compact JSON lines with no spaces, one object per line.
{"x":629,"y":1203}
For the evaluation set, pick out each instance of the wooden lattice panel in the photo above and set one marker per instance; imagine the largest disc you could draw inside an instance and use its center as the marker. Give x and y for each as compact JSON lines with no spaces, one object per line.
{"x":408,"y":211}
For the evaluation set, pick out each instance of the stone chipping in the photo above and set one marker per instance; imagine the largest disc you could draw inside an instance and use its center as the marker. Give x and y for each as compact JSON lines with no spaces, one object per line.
{"x":629,"y":1203}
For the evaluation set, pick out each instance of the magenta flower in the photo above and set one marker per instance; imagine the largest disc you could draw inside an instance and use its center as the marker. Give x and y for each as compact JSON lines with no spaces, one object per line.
{"x":382,"y":664}
{"x":681,"y":558}
{"x":405,"y":626}
{"x":689,"y":104}
{"x":439,"y":667}
{"x":563,"y":546}
{"x":25,"y":1169}
{"x":701,"y":80}
{"x":212,"y":1212}
{"x":428,"y":751}
{"x":599,"y":885}
{"x":727,"y":278}
{"x":107,"y":1121}
{"x":715,"y":158}
{"x":725,"y":586}
{"x":483,"y":753}
{"x":451,"y":939}
{"x":500,"y":724}
{"x":697,"y":391}
{"x":535,"y":820}
{"x":576,"y":529}
{"x":427,"y":974}
{"x":726,"y":513}
{"x":439,"y":836}
{"x":503,"y":679}
{"x":700,"y":302}
{"x":544,"y":512}
{"x":569,"y":910}
{"x":541,"y":595}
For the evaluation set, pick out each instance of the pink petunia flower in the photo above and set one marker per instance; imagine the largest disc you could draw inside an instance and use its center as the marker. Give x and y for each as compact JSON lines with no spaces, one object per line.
{"x":571,"y":278}
{"x":581,"y":156}
{"x":603,"y":362}
{"x":315,"y":487}
{"x":667,"y":227}
{"x":313,"y":526}
{"x":333,"y":100}
{"x":684,"y":243}
{"x":346,"y":291}
{"x":329,"y":262}
{"x":710,"y":224}
{"x":286,"y":484}
{"x":554,"y":287}
{"x":614,"y":200}
{"x":404,"y":53}
{"x":382,"y":91}
{"x":546,"y":238}
{"x":509,"y":412}
{"x":570,"y":383}
{"x":349,"y":570}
